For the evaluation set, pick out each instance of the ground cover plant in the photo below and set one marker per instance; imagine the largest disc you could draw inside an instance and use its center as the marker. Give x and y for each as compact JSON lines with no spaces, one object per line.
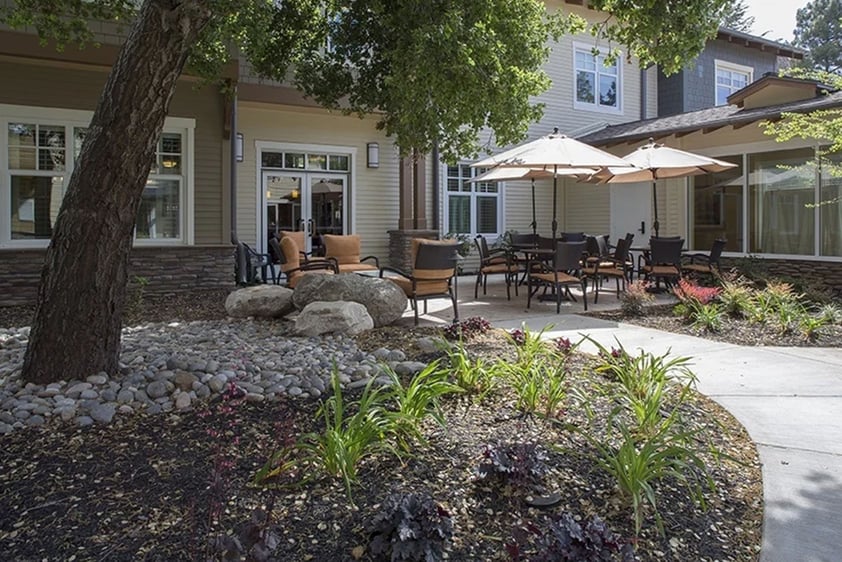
{"x":163,"y":495}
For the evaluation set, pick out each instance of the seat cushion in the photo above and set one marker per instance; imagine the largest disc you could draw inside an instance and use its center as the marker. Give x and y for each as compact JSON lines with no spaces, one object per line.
{"x":563,"y":278}
{"x":292,"y":257}
{"x":662,"y":270}
{"x":297,"y":237}
{"x":423,"y":288}
{"x":346,"y":249}
{"x":354,"y":267}
{"x":499,"y":268}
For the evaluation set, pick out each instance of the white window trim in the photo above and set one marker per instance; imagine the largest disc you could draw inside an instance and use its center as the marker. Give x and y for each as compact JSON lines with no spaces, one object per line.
{"x":596,"y":107}
{"x":732,"y":67}
{"x":70,"y":118}
{"x":501,"y":187}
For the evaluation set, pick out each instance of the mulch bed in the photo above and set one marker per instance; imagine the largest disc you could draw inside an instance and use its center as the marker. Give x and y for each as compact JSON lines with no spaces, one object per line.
{"x":733,"y":330}
{"x":147,"y":487}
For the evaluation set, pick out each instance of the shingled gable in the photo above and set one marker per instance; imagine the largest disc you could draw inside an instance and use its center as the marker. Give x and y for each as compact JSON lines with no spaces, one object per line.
{"x":763,"y":99}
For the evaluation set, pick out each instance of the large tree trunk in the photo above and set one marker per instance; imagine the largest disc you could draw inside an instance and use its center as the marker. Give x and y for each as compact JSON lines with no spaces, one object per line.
{"x":78,"y":316}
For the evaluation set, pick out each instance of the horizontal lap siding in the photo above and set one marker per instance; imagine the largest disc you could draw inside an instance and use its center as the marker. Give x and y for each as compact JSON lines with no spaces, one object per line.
{"x":375,"y":191}
{"x":587,"y":208}
{"x":58,"y":87}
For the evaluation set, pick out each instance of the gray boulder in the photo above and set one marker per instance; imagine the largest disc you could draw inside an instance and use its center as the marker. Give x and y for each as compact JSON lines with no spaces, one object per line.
{"x":384,"y":301}
{"x":260,"y":301}
{"x":342,"y":317}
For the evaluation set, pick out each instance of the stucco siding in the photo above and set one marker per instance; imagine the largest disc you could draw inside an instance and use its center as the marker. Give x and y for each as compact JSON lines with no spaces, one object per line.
{"x":373,"y":192}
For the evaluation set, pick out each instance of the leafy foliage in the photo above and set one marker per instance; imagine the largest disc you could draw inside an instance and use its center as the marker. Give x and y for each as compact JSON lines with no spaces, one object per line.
{"x":410,"y":527}
{"x":514,"y":464}
{"x":473,"y":376}
{"x":818,"y":29}
{"x":689,"y":291}
{"x":467,"y":328}
{"x":735,"y":16}
{"x":563,"y":538}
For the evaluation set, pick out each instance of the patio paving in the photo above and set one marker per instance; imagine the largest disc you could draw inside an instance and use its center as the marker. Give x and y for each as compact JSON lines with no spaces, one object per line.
{"x":789,"y":400}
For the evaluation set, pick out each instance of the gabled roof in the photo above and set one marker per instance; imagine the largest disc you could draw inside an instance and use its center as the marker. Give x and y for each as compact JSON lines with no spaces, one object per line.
{"x":706,"y":120}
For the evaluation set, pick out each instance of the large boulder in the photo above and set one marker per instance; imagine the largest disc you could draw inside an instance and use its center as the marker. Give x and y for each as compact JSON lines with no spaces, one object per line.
{"x":260,"y":301}
{"x":337,"y":317}
{"x":384,"y":301}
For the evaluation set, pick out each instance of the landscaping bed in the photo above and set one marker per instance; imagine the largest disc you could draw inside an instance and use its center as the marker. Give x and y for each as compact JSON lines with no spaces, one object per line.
{"x":169,"y":486}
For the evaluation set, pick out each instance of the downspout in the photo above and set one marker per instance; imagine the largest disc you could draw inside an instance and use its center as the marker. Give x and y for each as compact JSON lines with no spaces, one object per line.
{"x":233,"y":168}
{"x":436,"y":186}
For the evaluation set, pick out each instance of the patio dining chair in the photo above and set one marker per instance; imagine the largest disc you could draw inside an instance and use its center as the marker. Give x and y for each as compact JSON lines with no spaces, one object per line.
{"x":665,"y":260}
{"x":615,"y":266}
{"x":433,"y":273}
{"x":704,"y":264}
{"x":345,"y":249}
{"x":564,"y":270}
{"x":495,"y":261}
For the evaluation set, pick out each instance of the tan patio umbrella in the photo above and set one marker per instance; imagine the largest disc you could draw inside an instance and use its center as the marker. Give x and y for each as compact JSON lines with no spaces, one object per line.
{"x":656,"y":161}
{"x":553,"y":153}
{"x":514,"y":174}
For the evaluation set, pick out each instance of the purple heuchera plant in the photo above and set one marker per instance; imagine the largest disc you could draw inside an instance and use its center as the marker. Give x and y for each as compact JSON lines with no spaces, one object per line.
{"x":518,"y":336}
{"x":467,"y":328}
{"x":563,"y":345}
{"x":563,"y":539}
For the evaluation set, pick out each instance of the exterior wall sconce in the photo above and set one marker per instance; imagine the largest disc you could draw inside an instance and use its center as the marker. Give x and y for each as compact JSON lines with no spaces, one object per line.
{"x":372,"y":153}
{"x":238,"y":148}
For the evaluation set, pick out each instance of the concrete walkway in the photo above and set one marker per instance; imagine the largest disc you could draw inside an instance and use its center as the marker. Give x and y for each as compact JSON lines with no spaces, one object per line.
{"x":789,"y":400}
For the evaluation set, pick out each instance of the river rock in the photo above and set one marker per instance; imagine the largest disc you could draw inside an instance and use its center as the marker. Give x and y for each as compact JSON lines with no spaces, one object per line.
{"x":384,"y":301}
{"x":333,"y":317}
{"x":261,"y":301}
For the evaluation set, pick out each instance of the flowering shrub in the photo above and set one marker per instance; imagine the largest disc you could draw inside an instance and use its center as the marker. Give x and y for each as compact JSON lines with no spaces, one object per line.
{"x":688,"y":291}
{"x":467,"y":328}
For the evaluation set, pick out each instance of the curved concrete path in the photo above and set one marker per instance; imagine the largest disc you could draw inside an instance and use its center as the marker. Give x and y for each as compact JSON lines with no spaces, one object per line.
{"x":789,"y":400}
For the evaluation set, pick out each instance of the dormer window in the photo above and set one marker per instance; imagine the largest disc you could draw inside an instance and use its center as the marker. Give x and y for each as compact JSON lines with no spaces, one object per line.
{"x":730,"y":78}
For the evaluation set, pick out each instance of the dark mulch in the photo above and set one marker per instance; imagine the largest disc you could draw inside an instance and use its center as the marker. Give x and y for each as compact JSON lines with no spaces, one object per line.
{"x":142,"y":488}
{"x":734,"y":330}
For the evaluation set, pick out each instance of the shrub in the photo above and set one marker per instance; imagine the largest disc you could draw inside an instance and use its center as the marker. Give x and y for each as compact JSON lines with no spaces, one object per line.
{"x":467,"y":328}
{"x":514,"y":464}
{"x":810,"y":325}
{"x":708,"y":317}
{"x":688,"y":292}
{"x":563,"y":538}
{"x":540,"y":384}
{"x":832,"y":313}
{"x":736,"y":297}
{"x":635,"y":299}
{"x":410,"y":527}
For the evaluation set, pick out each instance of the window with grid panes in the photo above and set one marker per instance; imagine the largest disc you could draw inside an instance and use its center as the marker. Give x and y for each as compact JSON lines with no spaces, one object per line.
{"x":472,"y":208}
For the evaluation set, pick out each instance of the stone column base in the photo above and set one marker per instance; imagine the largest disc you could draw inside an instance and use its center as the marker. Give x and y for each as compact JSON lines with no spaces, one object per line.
{"x":400,"y":246}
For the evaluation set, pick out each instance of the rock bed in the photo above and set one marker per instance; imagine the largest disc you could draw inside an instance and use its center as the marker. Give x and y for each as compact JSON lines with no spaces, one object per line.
{"x":175,"y":366}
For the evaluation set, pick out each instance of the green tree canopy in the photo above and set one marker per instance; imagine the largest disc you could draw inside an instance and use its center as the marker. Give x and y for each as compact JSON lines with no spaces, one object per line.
{"x":735,"y":16}
{"x":819,"y":30}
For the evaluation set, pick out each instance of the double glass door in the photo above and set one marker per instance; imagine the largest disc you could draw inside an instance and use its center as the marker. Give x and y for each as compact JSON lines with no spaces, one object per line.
{"x":310,"y":202}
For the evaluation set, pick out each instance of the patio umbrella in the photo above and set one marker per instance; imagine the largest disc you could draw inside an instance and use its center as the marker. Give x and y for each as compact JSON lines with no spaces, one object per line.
{"x":655,"y":161}
{"x":554,"y":154}
{"x":514,"y":174}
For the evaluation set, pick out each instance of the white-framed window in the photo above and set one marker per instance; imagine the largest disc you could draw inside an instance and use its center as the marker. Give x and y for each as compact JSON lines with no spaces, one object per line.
{"x":731,"y":77}
{"x":472,"y":208}
{"x":597,"y":86}
{"x":38,"y":150}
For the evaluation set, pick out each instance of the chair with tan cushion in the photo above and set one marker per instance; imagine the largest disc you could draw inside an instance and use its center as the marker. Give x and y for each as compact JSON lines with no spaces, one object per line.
{"x":665,"y":260}
{"x":704,"y":264}
{"x":564,"y":270}
{"x":294,"y":267}
{"x":345,"y":249}
{"x":497,"y":260}
{"x":433,"y":273}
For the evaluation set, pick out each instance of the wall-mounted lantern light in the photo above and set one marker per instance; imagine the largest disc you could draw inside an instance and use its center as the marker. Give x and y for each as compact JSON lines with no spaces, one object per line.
{"x":372,"y":155}
{"x":239,"y":147}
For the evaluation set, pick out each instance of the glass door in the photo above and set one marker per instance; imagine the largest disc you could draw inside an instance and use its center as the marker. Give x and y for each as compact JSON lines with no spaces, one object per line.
{"x":326,"y":205}
{"x":282,"y":201}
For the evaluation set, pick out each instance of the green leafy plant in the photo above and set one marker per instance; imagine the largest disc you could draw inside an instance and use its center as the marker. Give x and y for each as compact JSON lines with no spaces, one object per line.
{"x":637,"y":463}
{"x":633,"y":302}
{"x":410,"y":527}
{"x":707,"y":317}
{"x":466,"y":245}
{"x":473,"y":376}
{"x":811,"y":325}
{"x":831,"y":312}
{"x":564,"y":539}
{"x":539,"y":384}
{"x":736,"y":297}
{"x":408,"y":405}
{"x":135,"y":301}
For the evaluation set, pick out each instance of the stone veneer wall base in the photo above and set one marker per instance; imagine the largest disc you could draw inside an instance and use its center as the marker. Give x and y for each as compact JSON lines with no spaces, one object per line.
{"x":168,"y":270}
{"x":400,"y":246}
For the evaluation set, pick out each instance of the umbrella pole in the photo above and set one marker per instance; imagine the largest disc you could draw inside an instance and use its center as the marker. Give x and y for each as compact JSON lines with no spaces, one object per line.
{"x":656,"y":224}
{"x":555,"y":199}
{"x":534,"y":221}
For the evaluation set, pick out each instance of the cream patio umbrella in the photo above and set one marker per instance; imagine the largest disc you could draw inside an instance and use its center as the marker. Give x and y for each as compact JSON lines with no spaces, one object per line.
{"x":655,"y":161}
{"x":553,"y":154}
{"x":515,"y":174}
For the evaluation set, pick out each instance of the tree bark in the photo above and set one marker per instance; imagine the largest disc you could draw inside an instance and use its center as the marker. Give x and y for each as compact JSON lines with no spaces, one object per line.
{"x":78,"y":315}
